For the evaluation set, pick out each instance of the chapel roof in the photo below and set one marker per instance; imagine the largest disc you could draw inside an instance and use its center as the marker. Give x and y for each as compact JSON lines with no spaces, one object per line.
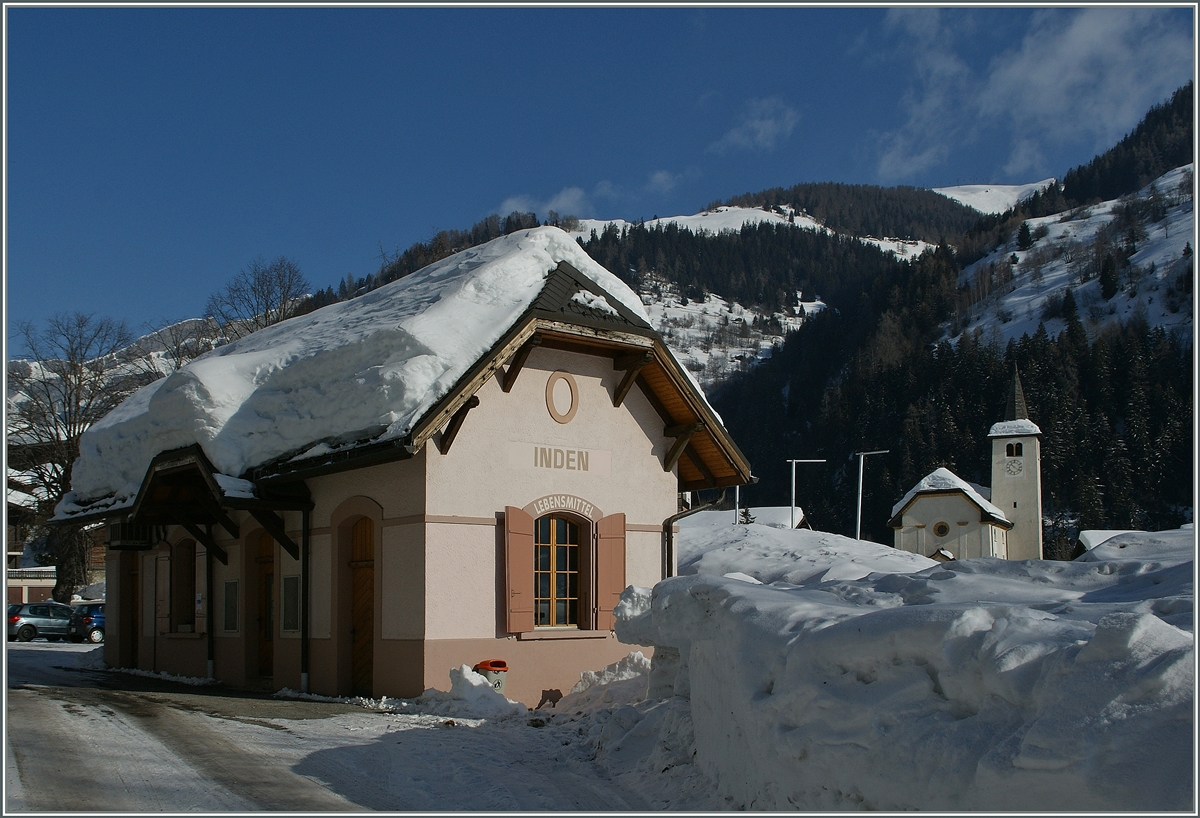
{"x":943,"y":481}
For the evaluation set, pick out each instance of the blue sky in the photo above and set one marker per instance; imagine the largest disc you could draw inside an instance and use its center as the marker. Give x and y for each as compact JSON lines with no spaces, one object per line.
{"x":152,"y":153}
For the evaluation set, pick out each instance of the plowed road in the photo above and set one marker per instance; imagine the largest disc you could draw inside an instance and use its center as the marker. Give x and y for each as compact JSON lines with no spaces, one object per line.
{"x":80,"y":740}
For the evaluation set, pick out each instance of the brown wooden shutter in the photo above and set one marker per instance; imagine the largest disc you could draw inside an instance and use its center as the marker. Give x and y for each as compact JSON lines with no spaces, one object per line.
{"x":610,"y":568}
{"x":518,"y":564}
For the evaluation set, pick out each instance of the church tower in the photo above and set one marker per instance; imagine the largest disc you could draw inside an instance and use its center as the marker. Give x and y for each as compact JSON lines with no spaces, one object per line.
{"x":1017,"y":475}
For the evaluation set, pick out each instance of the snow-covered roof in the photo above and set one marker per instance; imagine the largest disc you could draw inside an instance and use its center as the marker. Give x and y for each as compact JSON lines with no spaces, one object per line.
{"x":1023,"y":427}
{"x":365,"y":369}
{"x":378,"y":375}
{"x":943,"y":480}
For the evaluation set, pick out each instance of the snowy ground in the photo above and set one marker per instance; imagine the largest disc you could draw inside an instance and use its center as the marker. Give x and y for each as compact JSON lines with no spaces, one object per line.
{"x":970,"y":685}
{"x":856,"y":677}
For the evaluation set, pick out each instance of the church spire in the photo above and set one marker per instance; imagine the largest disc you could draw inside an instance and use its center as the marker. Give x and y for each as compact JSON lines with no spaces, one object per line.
{"x":1016,"y":410}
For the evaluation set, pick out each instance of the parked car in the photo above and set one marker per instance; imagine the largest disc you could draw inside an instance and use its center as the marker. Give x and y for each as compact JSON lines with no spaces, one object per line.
{"x":87,"y":622}
{"x":29,"y":620}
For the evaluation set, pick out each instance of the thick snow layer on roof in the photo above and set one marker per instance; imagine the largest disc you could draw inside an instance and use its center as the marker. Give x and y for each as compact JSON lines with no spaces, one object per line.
{"x":1014,"y":428}
{"x":1095,"y":536}
{"x":992,"y":198}
{"x":945,"y":480}
{"x":365,"y":369}
{"x":978,"y":684}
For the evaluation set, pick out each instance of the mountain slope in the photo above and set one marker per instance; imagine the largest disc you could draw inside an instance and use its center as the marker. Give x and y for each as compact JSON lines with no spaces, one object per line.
{"x":992,"y":199}
{"x":1148,"y":237}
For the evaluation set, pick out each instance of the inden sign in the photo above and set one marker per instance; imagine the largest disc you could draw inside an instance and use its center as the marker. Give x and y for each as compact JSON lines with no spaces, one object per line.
{"x":559,"y":458}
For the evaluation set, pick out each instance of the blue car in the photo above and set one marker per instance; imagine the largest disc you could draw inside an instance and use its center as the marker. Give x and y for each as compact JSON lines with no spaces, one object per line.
{"x":87,"y":622}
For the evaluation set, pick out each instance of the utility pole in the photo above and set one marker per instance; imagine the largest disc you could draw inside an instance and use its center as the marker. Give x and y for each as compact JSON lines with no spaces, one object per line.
{"x":858,"y":514}
{"x":794,"y":462}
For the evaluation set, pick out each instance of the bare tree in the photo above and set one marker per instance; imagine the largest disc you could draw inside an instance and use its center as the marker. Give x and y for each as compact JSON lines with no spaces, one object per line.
{"x":80,"y":367}
{"x":172,"y":344}
{"x":259,"y":296}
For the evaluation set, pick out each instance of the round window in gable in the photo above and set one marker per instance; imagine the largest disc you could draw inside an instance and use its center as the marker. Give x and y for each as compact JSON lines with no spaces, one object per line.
{"x":941,"y":529}
{"x":562,"y":396}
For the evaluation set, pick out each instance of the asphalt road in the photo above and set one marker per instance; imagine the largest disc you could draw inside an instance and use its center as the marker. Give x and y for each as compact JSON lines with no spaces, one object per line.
{"x":80,"y":740}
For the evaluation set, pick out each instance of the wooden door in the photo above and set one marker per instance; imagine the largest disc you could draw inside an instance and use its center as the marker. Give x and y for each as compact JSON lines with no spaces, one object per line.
{"x":266,"y":606}
{"x":362,"y":604}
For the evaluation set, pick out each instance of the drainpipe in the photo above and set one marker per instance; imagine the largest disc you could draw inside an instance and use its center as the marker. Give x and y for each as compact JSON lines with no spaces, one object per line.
{"x":668,"y":557}
{"x":208,"y":609}
{"x":304,"y":526}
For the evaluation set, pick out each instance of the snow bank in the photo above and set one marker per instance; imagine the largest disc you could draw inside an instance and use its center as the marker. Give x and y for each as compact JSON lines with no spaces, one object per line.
{"x":471,"y":696}
{"x":970,"y":685}
{"x":770,"y":552}
{"x":365,"y":369}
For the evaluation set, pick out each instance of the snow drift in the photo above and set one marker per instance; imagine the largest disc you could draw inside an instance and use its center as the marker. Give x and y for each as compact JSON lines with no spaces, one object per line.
{"x":972,"y":685}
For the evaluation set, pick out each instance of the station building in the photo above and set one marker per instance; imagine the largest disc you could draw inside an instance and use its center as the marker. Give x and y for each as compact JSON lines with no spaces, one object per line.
{"x":500,"y":518}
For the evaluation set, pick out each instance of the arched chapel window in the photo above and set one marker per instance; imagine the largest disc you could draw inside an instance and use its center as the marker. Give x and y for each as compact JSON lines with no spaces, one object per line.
{"x":1014,"y":450}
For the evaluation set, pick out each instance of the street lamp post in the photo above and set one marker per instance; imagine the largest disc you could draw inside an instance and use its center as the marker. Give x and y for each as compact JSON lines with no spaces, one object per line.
{"x":794,"y":462}
{"x":858,"y":514}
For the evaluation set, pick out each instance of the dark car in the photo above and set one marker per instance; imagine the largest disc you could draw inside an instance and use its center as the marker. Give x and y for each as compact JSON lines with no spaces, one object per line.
{"x":29,"y":620}
{"x":87,"y":622}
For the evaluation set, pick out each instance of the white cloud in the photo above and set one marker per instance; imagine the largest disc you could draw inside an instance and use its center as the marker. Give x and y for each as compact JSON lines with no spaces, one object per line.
{"x":570,"y":201}
{"x":523,"y":204}
{"x":933,"y":123}
{"x":1076,"y":74}
{"x":764,"y":124}
{"x":1091,"y":73}
{"x":662,"y":181}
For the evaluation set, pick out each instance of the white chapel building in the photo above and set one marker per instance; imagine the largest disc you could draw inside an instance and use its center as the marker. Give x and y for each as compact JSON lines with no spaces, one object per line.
{"x":945,"y":517}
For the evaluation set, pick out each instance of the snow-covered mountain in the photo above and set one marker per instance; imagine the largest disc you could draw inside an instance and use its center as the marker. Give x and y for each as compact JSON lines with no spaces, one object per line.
{"x":992,"y":198}
{"x":732,"y":219}
{"x":715,"y":337}
{"x":1015,"y":289}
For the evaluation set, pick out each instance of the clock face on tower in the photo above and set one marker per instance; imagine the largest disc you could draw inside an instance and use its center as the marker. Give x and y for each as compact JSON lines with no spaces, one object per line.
{"x":1013,"y":467}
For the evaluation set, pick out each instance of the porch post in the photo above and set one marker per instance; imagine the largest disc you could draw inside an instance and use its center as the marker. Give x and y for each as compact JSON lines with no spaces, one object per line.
{"x":304,"y":589}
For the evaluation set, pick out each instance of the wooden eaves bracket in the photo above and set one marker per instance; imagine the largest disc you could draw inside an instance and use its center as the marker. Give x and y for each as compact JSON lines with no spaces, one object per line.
{"x":274,"y":526}
{"x":683,"y":436}
{"x":456,"y":422}
{"x":632,"y":365}
{"x":205,"y":538}
{"x":518,"y":361}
